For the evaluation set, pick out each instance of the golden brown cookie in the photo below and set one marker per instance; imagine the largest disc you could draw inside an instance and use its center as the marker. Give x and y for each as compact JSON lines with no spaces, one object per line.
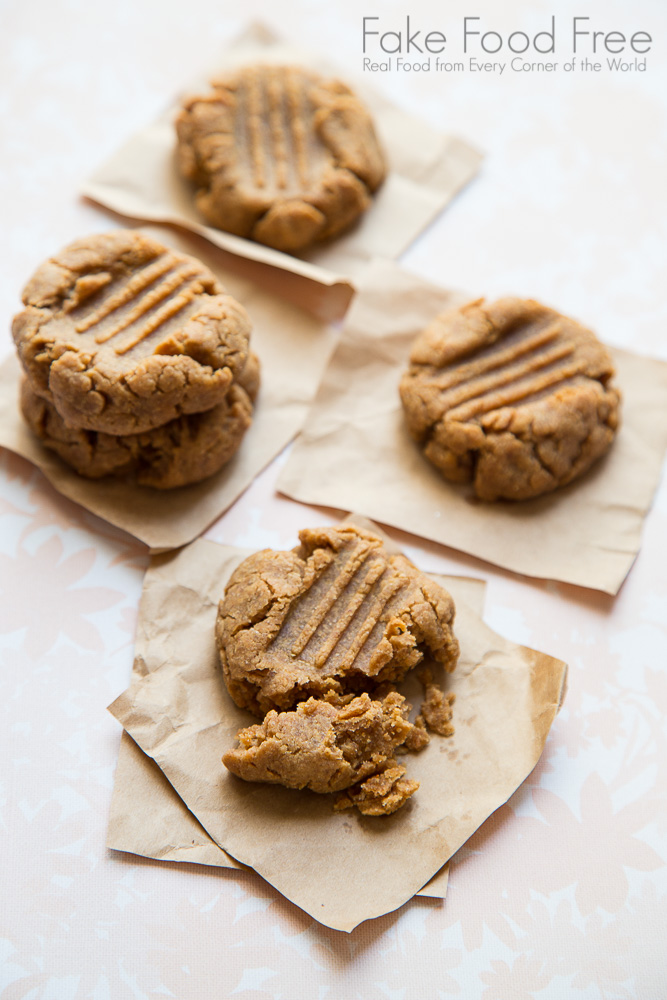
{"x":279,"y":155}
{"x":123,"y":335}
{"x":338,"y":613}
{"x":183,"y":451}
{"x":511,"y":397}
{"x":325,"y":746}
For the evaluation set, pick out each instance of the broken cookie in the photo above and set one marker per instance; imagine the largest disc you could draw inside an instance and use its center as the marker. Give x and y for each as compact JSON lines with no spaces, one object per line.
{"x":323,"y":745}
{"x":510,"y":396}
{"x":337,"y":614}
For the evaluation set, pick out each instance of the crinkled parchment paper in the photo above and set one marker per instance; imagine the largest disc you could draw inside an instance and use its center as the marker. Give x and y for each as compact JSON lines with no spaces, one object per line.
{"x":148,"y":817}
{"x":340,"y":868}
{"x":426,"y":169}
{"x":293,"y":347}
{"x":355,"y":452}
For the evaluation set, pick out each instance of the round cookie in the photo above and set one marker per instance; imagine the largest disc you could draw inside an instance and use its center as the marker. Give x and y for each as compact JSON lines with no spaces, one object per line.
{"x":510,"y":396}
{"x":181,"y":452}
{"x":338,"y":613}
{"x":279,"y":155}
{"x":123,"y":335}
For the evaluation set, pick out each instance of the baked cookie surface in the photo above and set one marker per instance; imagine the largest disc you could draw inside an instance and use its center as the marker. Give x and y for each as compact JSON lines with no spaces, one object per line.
{"x":337,"y":614}
{"x":183,"y":451}
{"x":123,"y":335}
{"x":325,"y":746}
{"x":510,"y":396}
{"x":279,"y":155}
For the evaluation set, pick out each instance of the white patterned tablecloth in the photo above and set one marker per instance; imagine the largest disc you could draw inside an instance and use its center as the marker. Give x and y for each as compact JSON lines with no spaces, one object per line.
{"x":562,"y":893}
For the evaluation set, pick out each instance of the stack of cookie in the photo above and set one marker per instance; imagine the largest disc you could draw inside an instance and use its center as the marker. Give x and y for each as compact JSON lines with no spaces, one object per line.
{"x":136,"y":361}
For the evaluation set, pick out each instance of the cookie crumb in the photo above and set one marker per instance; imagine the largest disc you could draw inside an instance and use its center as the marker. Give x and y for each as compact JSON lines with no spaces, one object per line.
{"x":418,"y":737}
{"x":436,"y":708}
{"x":380,"y":795}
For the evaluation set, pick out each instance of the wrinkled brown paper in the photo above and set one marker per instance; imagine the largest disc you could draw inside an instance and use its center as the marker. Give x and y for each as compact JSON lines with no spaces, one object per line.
{"x":355,"y":452}
{"x":426,"y":170}
{"x":293,"y":347}
{"x":340,"y":868}
{"x":148,"y":818}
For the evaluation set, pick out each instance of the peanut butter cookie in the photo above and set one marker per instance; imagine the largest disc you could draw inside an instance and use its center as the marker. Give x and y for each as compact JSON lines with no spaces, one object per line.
{"x":511,"y":396}
{"x":338,"y":613}
{"x":279,"y":155}
{"x":325,"y":746}
{"x":183,"y":451}
{"x":122,"y":335}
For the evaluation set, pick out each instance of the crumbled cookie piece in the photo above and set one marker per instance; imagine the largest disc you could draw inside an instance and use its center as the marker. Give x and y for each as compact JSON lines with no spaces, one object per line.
{"x":184,"y":451}
{"x":380,"y":795}
{"x":322,"y":745}
{"x":510,"y":396}
{"x":123,"y":335}
{"x":418,"y":737}
{"x":339,"y":613}
{"x":279,"y":155}
{"x":436,"y":708}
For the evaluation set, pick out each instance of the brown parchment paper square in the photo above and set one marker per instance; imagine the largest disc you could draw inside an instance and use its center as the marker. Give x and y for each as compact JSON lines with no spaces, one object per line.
{"x":426,"y":169}
{"x":149,"y":818}
{"x":341,"y":869}
{"x":355,"y":451}
{"x":293,"y":347}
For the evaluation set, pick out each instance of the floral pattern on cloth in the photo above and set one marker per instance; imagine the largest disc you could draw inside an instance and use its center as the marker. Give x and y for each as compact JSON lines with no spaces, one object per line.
{"x":560,"y":893}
